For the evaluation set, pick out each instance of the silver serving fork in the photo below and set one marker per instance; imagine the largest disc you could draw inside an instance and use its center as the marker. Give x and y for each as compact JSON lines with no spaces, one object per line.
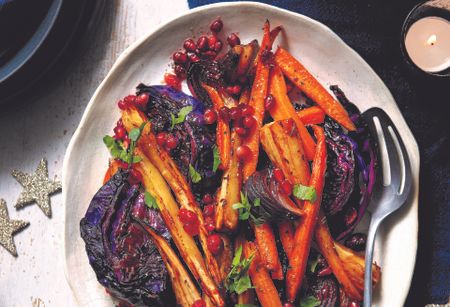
{"x":393,"y":190}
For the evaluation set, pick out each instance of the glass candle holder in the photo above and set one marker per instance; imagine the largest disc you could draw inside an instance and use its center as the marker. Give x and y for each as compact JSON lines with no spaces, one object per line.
{"x":425,"y":38}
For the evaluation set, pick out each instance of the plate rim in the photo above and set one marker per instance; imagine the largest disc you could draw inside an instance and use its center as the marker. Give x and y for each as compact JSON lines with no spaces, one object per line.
{"x":123,"y":56}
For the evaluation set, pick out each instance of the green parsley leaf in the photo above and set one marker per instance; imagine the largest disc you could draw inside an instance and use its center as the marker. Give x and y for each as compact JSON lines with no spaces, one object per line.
{"x":237,"y":279}
{"x":216,"y":157}
{"x":115,"y":149}
{"x":195,"y":176}
{"x":181,"y":117}
{"x":304,"y":192}
{"x":150,"y":201}
{"x":245,"y":210}
{"x":309,"y":301}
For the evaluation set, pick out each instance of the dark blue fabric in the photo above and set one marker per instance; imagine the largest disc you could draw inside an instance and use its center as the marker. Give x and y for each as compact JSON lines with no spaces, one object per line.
{"x":372,"y":28}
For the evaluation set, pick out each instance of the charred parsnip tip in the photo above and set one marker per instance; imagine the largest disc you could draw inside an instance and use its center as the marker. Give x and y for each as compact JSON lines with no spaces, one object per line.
{"x":155,"y":184}
{"x":309,"y":85}
{"x":263,"y":284}
{"x":282,"y":144}
{"x":246,"y":57}
{"x":305,"y":230}
{"x":185,"y":290}
{"x":230,"y":191}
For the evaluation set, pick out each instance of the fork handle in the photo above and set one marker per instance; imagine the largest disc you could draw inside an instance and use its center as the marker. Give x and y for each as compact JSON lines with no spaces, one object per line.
{"x":374,"y":223}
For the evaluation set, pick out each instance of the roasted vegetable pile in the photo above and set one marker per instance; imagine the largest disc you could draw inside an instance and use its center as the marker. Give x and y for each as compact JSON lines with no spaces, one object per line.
{"x":237,"y":193}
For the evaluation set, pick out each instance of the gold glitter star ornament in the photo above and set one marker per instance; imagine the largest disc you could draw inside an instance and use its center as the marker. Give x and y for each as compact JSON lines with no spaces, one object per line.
{"x":37,"y":188}
{"x":8,"y":228}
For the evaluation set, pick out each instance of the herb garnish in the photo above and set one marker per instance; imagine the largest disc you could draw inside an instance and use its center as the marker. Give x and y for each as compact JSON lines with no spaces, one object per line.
{"x":181,"y":117}
{"x":195,"y":176}
{"x":237,"y":279}
{"x":216,"y":157}
{"x":245,"y":210}
{"x":309,"y":301}
{"x":150,"y":201}
{"x":304,"y":192}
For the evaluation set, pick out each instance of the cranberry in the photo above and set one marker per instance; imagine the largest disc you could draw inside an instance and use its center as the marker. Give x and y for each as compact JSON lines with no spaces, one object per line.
{"x":215,"y":243}
{"x":194,"y":58}
{"x":278,"y":174}
{"x":189,"y":45}
{"x":161,"y":138}
{"x":210,"y":226}
{"x":191,"y":228}
{"x":286,"y":186}
{"x":243,"y":152}
{"x":119,"y":133}
{"x":216,"y":26}
{"x":247,"y":110}
{"x":210,"y":116}
{"x":236,"y":90}
{"x":217,"y":46}
{"x":142,"y":100}
{"x":173,"y":81}
{"x":122,"y":105}
{"x":208,"y":210}
{"x":207,"y":199}
{"x":202,"y":43}
{"x":233,"y":40}
{"x":187,"y":216}
{"x":171,"y":142}
{"x":269,"y":102}
{"x":224,"y":114}
{"x":135,"y":176}
{"x":235,"y":113}
{"x":130,"y":99}
{"x":212,"y":40}
{"x":180,"y":57}
{"x":249,"y":121}
{"x":241,"y":131}
{"x":199,"y":303}
{"x":180,"y":71}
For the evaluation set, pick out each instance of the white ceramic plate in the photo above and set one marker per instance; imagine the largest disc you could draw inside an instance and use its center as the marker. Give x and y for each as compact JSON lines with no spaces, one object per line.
{"x":320,"y":50}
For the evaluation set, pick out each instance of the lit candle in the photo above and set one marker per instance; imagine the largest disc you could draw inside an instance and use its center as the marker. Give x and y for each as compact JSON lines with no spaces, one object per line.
{"x":428,"y":44}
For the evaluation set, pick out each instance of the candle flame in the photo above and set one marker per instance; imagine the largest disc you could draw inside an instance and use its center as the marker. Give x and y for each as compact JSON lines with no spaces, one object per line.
{"x":432,"y":40}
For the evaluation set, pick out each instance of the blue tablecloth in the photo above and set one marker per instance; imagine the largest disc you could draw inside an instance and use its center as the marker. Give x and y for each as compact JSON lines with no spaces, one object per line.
{"x":372,"y":28}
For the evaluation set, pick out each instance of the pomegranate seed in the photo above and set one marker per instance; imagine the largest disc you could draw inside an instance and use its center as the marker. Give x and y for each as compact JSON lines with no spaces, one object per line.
{"x":119,"y":133}
{"x":180,"y":71}
{"x":289,"y":126}
{"x":229,"y":90}
{"x":171,"y":142}
{"x":278,"y":174}
{"x":286,"y":186}
{"x":215,"y":243}
{"x":209,"y":55}
{"x":224,"y":114}
{"x":354,"y":304}
{"x":217,"y":46}
{"x":350,"y":216}
{"x":243,"y":152}
{"x":173,"y":81}
{"x":212,"y":40}
{"x":247,"y":110}
{"x":161,"y":138}
{"x":199,"y":303}
{"x":179,"y":57}
{"x":122,"y":165}
{"x":142,"y":100}
{"x":135,"y":175}
{"x":207,"y":199}
{"x":210,"y":116}
{"x":202,"y":43}
{"x":208,"y":210}
{"x":122,"y":105}
{"x":233,"y":40}
{"x":210,"y":227}
{"x":269,"y":102}
{"x":235,"y":113}
{"x":187,"y":216}
{"x":191,"y":229}
{"x":194,"y":58}
{"x":189,"y":45}
{"x":241,"y":131}
{"x":130,"y":99}
{"x":237,"y":89}
{"x":325,"y":271}
{"x":119,"y":123}
{"x":216,"y":26}
{"x":249,"y":121}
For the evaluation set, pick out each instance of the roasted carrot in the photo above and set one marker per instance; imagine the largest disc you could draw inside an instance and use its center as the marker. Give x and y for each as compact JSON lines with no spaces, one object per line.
{"x":327,"y":249}
{"x":309,"y":85}
{"x":284,"y":109}
{"x":305,"y":231}
{"x":265,"y":239}
{"x":311,"y":116}
{"x":264,"y":287}
{"x":223,"y":136}
{"x":286,"y":232}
